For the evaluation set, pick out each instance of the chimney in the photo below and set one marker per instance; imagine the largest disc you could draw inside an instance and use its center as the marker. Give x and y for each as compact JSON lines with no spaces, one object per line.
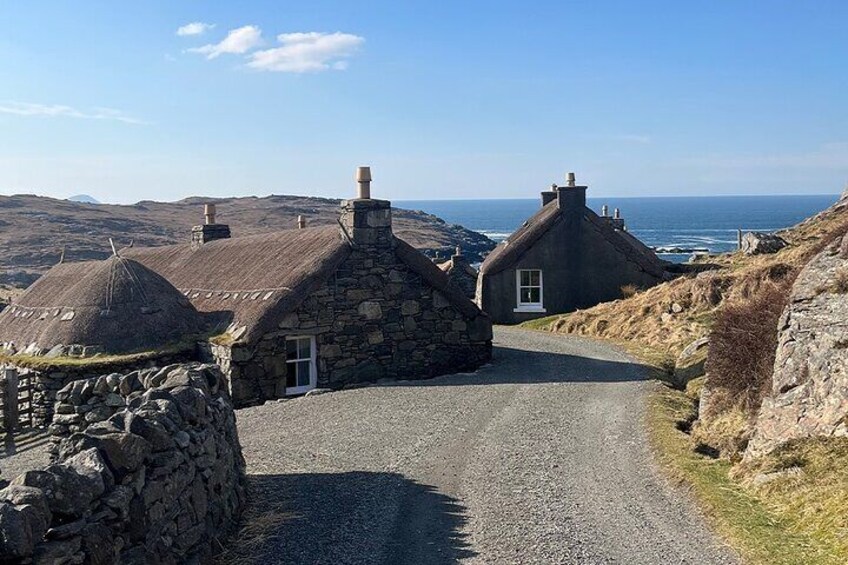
{"x":616,"y":220}
{"x":571,"y":197}
{"x":604,"y":211}
{"x":363,"y":181}
{"x":549,"y":195}
{"x":367,"y":222}
{"x":209,"y":231}
{"x":301,"y":222}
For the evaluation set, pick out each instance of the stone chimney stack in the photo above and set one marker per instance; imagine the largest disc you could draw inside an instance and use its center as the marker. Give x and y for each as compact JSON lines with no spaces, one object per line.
{"x":616,"y":220}
{"x":367,"y":221}
{"x":549,"y":195}
{"x":210,"y":230}
{"x":571,"y":197}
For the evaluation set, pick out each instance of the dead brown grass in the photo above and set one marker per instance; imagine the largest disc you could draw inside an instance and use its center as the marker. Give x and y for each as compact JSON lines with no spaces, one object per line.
{"x":743,"y":343}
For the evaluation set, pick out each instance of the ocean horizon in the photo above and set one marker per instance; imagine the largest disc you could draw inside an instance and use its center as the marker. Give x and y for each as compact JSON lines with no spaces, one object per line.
{"x":665,"y":223}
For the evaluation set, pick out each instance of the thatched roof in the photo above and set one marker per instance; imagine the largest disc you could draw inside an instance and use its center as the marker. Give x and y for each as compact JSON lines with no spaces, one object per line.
{"x":510,"y":251}
{"x":116,"y":305}
{"x":249,"y":281}
{"x":252,"y":282}
{"x":246,"y":284}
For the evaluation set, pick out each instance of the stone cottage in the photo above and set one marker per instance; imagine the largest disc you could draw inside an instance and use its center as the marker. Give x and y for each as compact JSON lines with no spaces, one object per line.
{"x":287,"y":312}
{"x":461,"y":273}
{"x":563,"y":258}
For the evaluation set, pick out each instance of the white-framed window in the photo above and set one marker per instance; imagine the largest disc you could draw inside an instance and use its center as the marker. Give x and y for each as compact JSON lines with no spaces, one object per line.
{"x":301,"y":369}
{"x":529,"y":290}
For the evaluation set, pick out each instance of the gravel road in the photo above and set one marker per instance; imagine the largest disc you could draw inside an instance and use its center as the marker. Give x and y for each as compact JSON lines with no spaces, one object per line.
{"x":540,"y":457}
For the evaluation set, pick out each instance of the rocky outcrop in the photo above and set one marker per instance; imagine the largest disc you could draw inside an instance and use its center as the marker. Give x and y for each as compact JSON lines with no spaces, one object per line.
{"x":809,"y":394}
{"x":759,"y":243}
{"x":147,"y":469}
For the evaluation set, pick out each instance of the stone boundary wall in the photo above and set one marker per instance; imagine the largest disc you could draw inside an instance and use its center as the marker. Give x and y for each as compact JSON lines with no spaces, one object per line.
{"x":47,"y":382}
{"x":147,"y":470}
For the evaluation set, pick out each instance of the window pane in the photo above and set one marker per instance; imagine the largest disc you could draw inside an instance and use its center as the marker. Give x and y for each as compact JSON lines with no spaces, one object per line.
{"x":525,"y":295}
{"x":291,"y":375}
{"x":525,"y":278}
{"x":291,"y":349}
{"x":534,"y":278}
{"x":535,"y":295}
{"x":304,"y":348}
{"x":303,"y":373}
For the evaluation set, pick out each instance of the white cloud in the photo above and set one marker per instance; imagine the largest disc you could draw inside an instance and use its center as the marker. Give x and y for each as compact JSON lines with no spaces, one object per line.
{"x":194,"y":28}
{"x":238,"y":41}
{"x":61,"y":111}
{"x":307,"y":52}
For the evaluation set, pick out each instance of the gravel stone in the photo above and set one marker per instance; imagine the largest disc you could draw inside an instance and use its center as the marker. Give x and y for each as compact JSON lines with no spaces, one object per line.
{"x":539,"y":457}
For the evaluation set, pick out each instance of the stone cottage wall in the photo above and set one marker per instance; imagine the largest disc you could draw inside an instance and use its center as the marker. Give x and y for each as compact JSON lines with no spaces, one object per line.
{"x":47,"y":382}
{"x":375,"y":318}
{"x":147,"y":470}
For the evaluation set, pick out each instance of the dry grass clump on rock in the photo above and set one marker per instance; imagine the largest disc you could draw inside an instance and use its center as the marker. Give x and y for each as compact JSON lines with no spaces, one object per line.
{"x":743,"y":343}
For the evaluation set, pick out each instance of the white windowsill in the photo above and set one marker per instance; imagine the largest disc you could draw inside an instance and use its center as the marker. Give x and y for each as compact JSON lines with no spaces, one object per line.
{"x":529,"y":308}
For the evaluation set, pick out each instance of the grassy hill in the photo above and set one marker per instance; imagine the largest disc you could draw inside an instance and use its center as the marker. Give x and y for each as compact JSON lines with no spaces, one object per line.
{"x":34,"y":229}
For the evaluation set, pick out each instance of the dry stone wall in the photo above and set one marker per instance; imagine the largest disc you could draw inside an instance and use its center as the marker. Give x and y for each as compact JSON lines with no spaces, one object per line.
{"x":809,"y":394}
{"x":47,"y":382}
{"x":147,"y":470}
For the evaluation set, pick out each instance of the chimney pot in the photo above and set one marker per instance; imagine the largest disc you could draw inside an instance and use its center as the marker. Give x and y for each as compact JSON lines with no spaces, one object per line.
{"x":604,"y":211}
{"x":570,"y":180}
{"x":363,"y":180}
{"x":209,"y":214}
{"x":617,"y":214}
{"x":301,"y":222}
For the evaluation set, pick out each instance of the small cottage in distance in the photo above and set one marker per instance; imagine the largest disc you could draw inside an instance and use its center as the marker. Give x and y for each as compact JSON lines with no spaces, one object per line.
{"x":563,"y":258}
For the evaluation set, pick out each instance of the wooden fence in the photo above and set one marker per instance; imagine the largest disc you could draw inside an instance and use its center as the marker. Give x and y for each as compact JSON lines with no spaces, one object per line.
{"x":16,"y":401}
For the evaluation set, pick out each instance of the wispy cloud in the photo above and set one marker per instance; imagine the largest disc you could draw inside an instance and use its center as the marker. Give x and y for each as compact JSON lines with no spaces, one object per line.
{"x":238,"y":41}
{"x":633,"y":138}
{"x":61,"y":111}
{"x":307,"y":52}
{"x":194,"y":28}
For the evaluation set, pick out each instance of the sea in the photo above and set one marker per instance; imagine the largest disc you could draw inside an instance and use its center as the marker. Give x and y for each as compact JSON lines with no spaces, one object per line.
{"x":676,"y":227}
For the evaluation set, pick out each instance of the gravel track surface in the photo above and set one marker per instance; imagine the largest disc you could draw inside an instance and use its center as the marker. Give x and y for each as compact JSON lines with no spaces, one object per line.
{"x":540,"y":457}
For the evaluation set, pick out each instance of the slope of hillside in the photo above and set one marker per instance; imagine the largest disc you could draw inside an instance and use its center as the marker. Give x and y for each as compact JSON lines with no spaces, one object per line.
{"x":34,"y":229}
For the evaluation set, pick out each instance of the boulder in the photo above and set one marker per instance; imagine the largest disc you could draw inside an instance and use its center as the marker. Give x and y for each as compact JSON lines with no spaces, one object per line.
{"x":21,"y":527}
{"x":759,"y":243}
{"x":809,"y":393}
{"x":21,"y":495}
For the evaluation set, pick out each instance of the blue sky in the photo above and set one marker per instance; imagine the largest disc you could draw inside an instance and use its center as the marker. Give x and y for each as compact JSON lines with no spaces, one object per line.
{"x":444,"y":100}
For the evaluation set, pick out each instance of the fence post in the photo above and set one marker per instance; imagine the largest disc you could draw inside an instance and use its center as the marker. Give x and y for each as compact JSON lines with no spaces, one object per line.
{"x":10,"y":406}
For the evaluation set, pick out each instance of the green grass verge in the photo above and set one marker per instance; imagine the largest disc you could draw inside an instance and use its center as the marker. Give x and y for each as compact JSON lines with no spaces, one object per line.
{"x":761,"y":533}
{"x":41,"y":363}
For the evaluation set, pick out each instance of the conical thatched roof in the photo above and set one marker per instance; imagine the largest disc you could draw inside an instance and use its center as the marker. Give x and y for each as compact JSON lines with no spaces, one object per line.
{"x":117,"y":305}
